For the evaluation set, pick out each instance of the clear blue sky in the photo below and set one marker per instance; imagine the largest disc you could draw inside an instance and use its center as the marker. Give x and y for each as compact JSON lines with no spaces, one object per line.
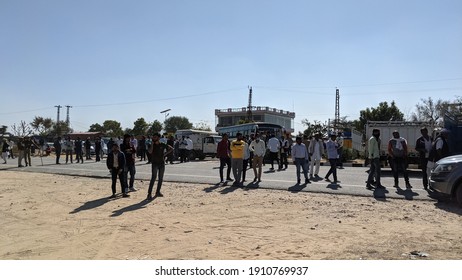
{"x":123,"y":60}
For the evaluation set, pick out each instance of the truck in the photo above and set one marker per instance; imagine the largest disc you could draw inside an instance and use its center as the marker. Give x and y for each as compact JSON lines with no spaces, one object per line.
{"x":453,"y":122}
{"x":204,"y":142}
{"x":409,"y":130}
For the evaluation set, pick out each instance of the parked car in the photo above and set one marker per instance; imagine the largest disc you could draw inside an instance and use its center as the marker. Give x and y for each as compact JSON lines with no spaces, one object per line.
{"x":446,"y":177}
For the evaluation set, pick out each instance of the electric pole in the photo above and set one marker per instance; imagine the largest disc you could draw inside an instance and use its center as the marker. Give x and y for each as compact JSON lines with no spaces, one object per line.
{"x":58,"y":129}
{"x":337,"y":109}
{"x":67,"y":116}
{"x":249,"y":107}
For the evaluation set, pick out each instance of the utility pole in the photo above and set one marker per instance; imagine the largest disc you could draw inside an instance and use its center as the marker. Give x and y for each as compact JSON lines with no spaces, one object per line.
{"x":67,"y":116}
{"x":58,"y":129}
{"x":337,"y":109}
{"x":249,"y":107}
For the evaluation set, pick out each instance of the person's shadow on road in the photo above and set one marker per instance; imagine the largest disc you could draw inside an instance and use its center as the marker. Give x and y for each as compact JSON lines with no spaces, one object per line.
{"x":407,"y":193}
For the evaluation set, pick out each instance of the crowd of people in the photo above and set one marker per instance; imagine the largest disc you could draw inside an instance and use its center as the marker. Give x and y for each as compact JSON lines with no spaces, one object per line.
{"x":430,"y":151}
{"x":252,"y":150}
{"x":238,"y":155}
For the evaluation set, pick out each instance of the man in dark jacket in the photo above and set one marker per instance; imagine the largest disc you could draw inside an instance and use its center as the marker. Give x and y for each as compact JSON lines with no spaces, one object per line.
{"x":58,"y":148}
{"x":423,"y":145}
{"x":130,"y":154}
{"x":78,"y":150}
{"x":116,"y":164}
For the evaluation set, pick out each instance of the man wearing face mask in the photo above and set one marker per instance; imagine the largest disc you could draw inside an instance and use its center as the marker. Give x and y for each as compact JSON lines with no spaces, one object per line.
{"x":374,"y":156}
{"x":258,"y":148}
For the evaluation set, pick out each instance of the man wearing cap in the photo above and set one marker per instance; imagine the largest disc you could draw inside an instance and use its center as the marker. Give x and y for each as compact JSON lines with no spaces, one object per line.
{"x":440,"y":149}
{"x":397,"y":150}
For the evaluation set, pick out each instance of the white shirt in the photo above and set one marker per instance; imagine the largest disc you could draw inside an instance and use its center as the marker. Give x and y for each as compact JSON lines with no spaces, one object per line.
{"x":134,"y":143}
{"x":258,"y":148}
{"x":273,"y":145}
{"x":189,"y":144}
{"x":116,"y":160}
{"x":299,"y":151}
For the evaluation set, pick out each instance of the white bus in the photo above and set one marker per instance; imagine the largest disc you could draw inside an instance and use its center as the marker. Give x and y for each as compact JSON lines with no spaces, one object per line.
{"x":252,"y":128}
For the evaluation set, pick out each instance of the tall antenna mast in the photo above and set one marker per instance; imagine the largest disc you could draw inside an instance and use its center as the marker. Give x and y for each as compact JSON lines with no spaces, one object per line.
{"x":337,"y":108}
{"x":67,"y":115}
{"x":58,"y":128}
{"x":249,"y":107}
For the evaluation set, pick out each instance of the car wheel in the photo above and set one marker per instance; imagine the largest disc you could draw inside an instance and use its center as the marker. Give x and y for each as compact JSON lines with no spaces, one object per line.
{"x":459,"y":194}
{"x":192,"y":155}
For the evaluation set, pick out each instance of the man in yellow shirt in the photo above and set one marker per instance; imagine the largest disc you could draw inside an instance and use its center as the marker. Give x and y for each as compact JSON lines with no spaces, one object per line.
{"x":237,"y":148}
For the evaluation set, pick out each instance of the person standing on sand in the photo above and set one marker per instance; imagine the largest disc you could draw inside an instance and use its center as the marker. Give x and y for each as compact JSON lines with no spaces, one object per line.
{"x":130,"y":155}
{"x":157,"y":164}
{"x":116,"y":164}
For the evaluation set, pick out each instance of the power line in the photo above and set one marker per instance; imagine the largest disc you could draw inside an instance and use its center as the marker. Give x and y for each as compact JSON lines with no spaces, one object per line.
{"x":159,"y":99}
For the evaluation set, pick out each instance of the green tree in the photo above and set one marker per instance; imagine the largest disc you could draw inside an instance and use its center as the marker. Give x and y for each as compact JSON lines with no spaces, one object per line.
{"x":155,"y":126}
{"x":3,"y":129}
{"x":96,"y":127}
{"x":42,"y":125}
{"x":59,"y":129}
{"x":175,"y":123}
{"x":112,"y":128}
{"x":140,"y":127}
{"x":383,"y":112}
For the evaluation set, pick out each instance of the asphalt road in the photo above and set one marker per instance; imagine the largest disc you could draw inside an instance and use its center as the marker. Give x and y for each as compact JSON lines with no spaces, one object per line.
{"x":352,"y":179}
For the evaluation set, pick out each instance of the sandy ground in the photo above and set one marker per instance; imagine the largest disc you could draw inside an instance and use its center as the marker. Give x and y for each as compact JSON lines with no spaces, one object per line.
{"x":58,"y":217}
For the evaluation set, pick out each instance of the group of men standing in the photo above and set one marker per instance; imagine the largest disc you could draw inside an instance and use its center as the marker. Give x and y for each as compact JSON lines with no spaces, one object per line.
{"x":70,"y":148}
{"x":237,"y":154}
{"x":121,"y":163}
{"x":430,"y":152}
{"x":24,"y":145}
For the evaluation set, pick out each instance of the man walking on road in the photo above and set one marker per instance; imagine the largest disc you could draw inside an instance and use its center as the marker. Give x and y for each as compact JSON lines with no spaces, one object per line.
{"x":332,"y":148}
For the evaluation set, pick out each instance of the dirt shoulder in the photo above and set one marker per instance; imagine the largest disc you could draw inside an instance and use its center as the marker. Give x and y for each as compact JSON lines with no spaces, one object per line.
{"x":66,"y":217}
